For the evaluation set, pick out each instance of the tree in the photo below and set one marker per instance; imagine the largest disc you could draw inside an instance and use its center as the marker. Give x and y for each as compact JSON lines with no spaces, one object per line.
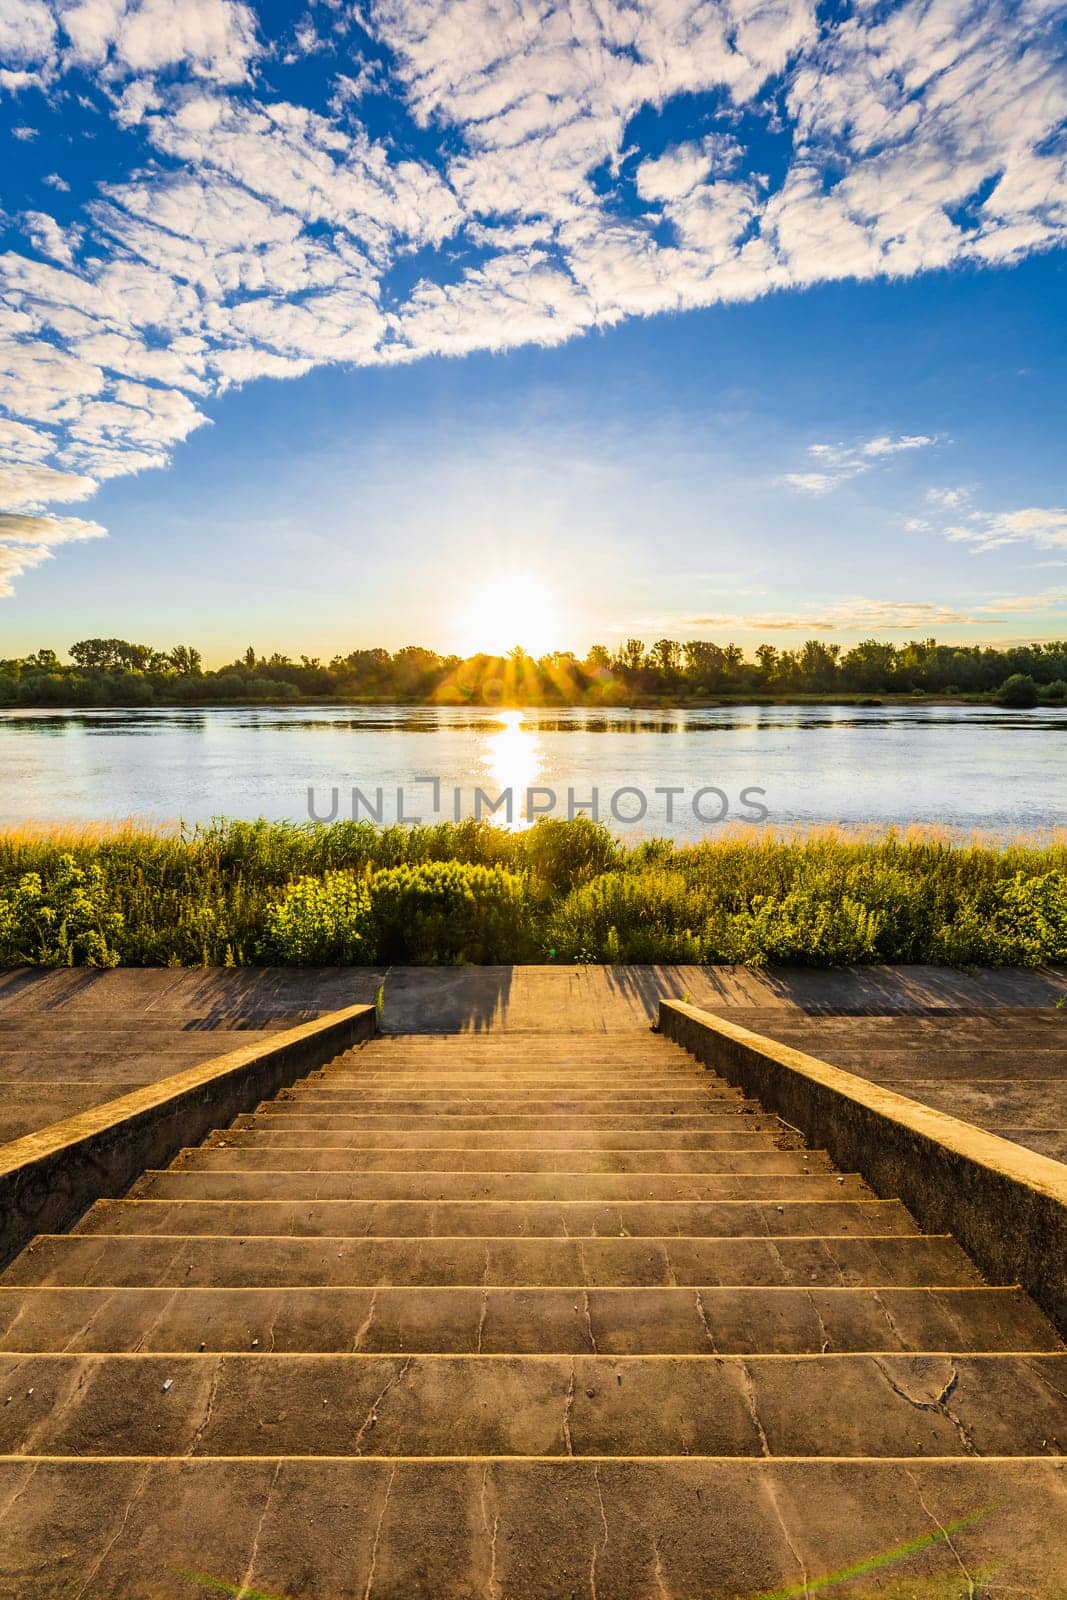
{"x":250,"y":657}
{"x":632,"y":655}
{"x":110,"y":655}
{"x":184,"y":659}
{"x":598,"y":657}
{"x":767,"y":660}
{"x":666,"y":655}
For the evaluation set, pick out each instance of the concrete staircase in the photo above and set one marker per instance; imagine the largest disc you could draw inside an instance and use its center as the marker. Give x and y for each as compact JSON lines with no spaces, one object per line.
{"x":525,"y":1318}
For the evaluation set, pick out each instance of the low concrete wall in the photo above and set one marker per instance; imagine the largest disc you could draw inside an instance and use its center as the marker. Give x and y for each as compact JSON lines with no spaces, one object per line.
{"x":49,"y":1178}
{"x":1005,"y":1205}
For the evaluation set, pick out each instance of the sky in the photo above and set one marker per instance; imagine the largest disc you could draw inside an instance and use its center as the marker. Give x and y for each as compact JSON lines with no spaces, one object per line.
{"x":337,"y":325}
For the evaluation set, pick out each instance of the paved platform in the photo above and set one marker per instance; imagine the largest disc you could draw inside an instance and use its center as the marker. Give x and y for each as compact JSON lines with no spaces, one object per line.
{"x":988,"y":1046}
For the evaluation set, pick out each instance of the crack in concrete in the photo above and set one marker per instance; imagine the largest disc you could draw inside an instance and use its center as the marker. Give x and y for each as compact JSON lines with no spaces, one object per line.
{"x":213,"y":1390}
{"x":14,"y":1499}
{"x":772,"y":1495}
{"x":364,"y":1327}
{"x":704,"y":1319}
{"x":589,"y":1321}
{"x":568,"y":1407}
{"x":598,"y":1549}
{"x":142,"y":1484}
{"x":1043,"y":1378}
{"x":378,"y":1533}
{"x":484,"y":1312}
{"x":672,"y":1281}
{"x":888,"y":1315}
{"x":372,"y":1415}
{"x":972,"y":1592}
{"x":748,"y":1392}
{"x":657,"y":1572}
{"x":823,"y":1331}
{"x":938,"y":1404}
{"x":492,"y":1586}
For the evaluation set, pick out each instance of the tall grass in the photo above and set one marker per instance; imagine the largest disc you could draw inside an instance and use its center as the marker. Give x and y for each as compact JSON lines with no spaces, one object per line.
{"x":254,"y":892}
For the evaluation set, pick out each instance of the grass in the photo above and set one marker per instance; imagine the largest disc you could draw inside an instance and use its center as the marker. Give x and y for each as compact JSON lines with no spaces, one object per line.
{"x":240,"y":893}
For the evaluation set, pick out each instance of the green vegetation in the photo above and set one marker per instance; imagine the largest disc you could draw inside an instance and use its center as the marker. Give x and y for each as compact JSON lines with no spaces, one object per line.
{"x":113,"y":672}
{"x":242,"y":893}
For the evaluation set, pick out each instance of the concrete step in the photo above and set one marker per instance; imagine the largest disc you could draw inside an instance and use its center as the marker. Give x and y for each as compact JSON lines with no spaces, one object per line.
{"x":534,"y":1124}
{"x":734,"y":1133}
{"x":326,"y":1097}
{"x":251,"y":1152}
{"x":527,"y":1530}
{"x":827,"y":1261}
{"x":420,"y":1405}
{"x":501,"y":1219}
{"x":567,"y":1187}
{"x":530,"y":1275}
{"x":491,"y":1321}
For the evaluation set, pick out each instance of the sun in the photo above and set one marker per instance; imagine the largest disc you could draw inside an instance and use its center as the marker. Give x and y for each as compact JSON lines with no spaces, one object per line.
{"x":514,"y":609}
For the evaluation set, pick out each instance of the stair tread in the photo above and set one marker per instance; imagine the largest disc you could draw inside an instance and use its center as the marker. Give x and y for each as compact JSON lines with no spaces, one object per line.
{"x":509,"y":1320}
{"x":540,"y":1405}
{"x":673,"y":1527}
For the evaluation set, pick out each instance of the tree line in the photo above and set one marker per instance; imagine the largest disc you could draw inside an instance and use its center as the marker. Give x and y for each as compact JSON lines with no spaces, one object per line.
{"x":104,"y":672}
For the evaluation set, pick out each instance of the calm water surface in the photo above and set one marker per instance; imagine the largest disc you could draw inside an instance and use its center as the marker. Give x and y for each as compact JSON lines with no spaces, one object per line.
{"x":966,"y":766}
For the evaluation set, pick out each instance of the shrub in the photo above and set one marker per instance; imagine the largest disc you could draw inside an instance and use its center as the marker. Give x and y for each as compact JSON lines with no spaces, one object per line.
{"x":449,"y":912}
{"x":799,"y":929}
{"x":1018,"y":691}
{"x":645,"y":916}
{"x":62,"y":919}
{"x":321,"y":922}
{"x":1032,"y":919}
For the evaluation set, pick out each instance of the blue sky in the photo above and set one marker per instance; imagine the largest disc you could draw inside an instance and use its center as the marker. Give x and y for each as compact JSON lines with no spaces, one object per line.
{"x":716,"y":320}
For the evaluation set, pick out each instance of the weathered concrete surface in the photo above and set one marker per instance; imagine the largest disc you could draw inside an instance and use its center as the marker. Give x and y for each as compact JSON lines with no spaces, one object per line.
{"x":400,"y":1405}
{"x":989,"y":1046}
{"x":528,"y":1530}
{"x":70,"y":1040}
{"x":585,"y":1373}
{"x":467,"y":1320}
{"x":1006,"y":1205}
{"x":48,"y":1178}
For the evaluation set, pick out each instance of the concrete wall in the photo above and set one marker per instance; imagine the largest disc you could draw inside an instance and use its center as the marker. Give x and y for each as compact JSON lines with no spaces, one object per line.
{"x":1005,"y":1205}
{"x":49,"y":1178}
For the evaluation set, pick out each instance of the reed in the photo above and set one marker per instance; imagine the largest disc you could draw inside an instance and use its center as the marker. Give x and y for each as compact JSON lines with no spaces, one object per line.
{"x":247,"y":893}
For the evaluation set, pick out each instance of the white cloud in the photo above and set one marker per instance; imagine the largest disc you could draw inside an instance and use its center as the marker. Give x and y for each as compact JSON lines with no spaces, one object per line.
{"x":46,"y":235}
{"x":260,"y":237}
{"x":838,"y":462}
{"x":841,"y":616}
{"x":45,"y":532}
{"x":1047,"y":600}
{"x":214,"y":38}
{"x":30,"y":486}
{"x":1045,"y":527}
